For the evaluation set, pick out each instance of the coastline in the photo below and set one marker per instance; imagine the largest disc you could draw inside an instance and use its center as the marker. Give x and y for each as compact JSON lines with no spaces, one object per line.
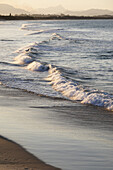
{"x":52,"y":17}
{"x":13,"y":156}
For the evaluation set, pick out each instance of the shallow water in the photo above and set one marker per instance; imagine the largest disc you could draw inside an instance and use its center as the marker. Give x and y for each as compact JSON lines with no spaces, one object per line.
{"x":65,"y":71}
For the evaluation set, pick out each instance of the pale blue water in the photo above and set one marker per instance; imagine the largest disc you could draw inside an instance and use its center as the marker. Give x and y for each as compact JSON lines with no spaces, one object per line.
{"x":69,"y":60}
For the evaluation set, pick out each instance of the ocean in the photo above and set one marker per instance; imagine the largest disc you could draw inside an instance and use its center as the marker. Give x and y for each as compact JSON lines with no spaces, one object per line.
{"x":66,"y":65}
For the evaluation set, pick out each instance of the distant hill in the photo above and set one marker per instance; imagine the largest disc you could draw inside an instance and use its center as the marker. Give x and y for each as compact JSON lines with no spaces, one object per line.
{"x":50,"y":10}
{"x":7,"y":9}
{"x":90,"y":12}
{"x":61,"y":10}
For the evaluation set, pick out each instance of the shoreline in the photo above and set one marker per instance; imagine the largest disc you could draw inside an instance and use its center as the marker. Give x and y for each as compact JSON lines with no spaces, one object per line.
{"x":24,"y":121}
{"x":13,"y":156}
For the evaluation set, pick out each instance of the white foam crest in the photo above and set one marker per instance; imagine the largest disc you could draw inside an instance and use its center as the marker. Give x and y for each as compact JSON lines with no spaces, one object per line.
{"x":76,"y":92}
{"x":29,"y":26}
{"x":55,"y":77}
{"x":56,"y":36}
{"x":110,"y":106}
{"x":62,"y":86}
{"x":99,"y":100}
{"x":79,"y":95}
{"x":22,"y":59}
{"x":24,"y":26}
{"x":37,"y":66}
{"x":27,"y":48}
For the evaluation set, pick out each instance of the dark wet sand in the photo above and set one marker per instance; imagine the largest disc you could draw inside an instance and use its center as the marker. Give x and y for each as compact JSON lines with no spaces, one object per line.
{"x":14,"y":157}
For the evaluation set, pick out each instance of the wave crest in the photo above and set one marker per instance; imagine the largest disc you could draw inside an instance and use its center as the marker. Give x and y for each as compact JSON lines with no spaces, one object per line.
{"x":76,"y":92}
{"x":22,"y":59}
{"x":37,"y":66}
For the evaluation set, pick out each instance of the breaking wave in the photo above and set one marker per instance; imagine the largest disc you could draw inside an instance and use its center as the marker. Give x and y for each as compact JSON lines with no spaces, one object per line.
{"x":22,"y":59}
{"x":66,"y":87}
{"x":37,"y":66}
{"x":76,"y":92}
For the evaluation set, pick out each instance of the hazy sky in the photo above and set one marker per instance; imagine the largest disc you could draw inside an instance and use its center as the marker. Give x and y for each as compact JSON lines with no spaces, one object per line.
{"x":69,"y":4}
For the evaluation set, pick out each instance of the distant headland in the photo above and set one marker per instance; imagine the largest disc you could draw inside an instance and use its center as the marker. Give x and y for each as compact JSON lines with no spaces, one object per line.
{"x":51,"y":17}
{"x":8,"y":12}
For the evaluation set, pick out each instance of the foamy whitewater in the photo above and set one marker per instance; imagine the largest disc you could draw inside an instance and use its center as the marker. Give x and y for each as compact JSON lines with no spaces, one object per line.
{"x":60,"y":59}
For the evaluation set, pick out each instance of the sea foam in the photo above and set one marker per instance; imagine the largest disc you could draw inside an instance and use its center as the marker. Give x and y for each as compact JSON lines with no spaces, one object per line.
{"x":29,"y":27}
{"x":76,"y":92}
{"x":22,"y":59}
{"x":37,"y":66}
{"x":69,"y":89}
{"x":56,"y":36}
{"x":27,"y":48}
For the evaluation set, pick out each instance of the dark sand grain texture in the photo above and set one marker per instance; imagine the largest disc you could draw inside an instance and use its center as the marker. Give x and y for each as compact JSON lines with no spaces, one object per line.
{"x":14,"y":157}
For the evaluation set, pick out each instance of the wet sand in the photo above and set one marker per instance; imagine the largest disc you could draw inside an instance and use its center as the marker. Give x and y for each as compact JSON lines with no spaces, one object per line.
{"x":14,"y":157}
{"x":70,"y":136}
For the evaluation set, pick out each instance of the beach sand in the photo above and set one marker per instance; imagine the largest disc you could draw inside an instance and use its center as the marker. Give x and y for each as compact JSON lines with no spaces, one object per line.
{"x":72,"y":137}
{"x":14,"y":157}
